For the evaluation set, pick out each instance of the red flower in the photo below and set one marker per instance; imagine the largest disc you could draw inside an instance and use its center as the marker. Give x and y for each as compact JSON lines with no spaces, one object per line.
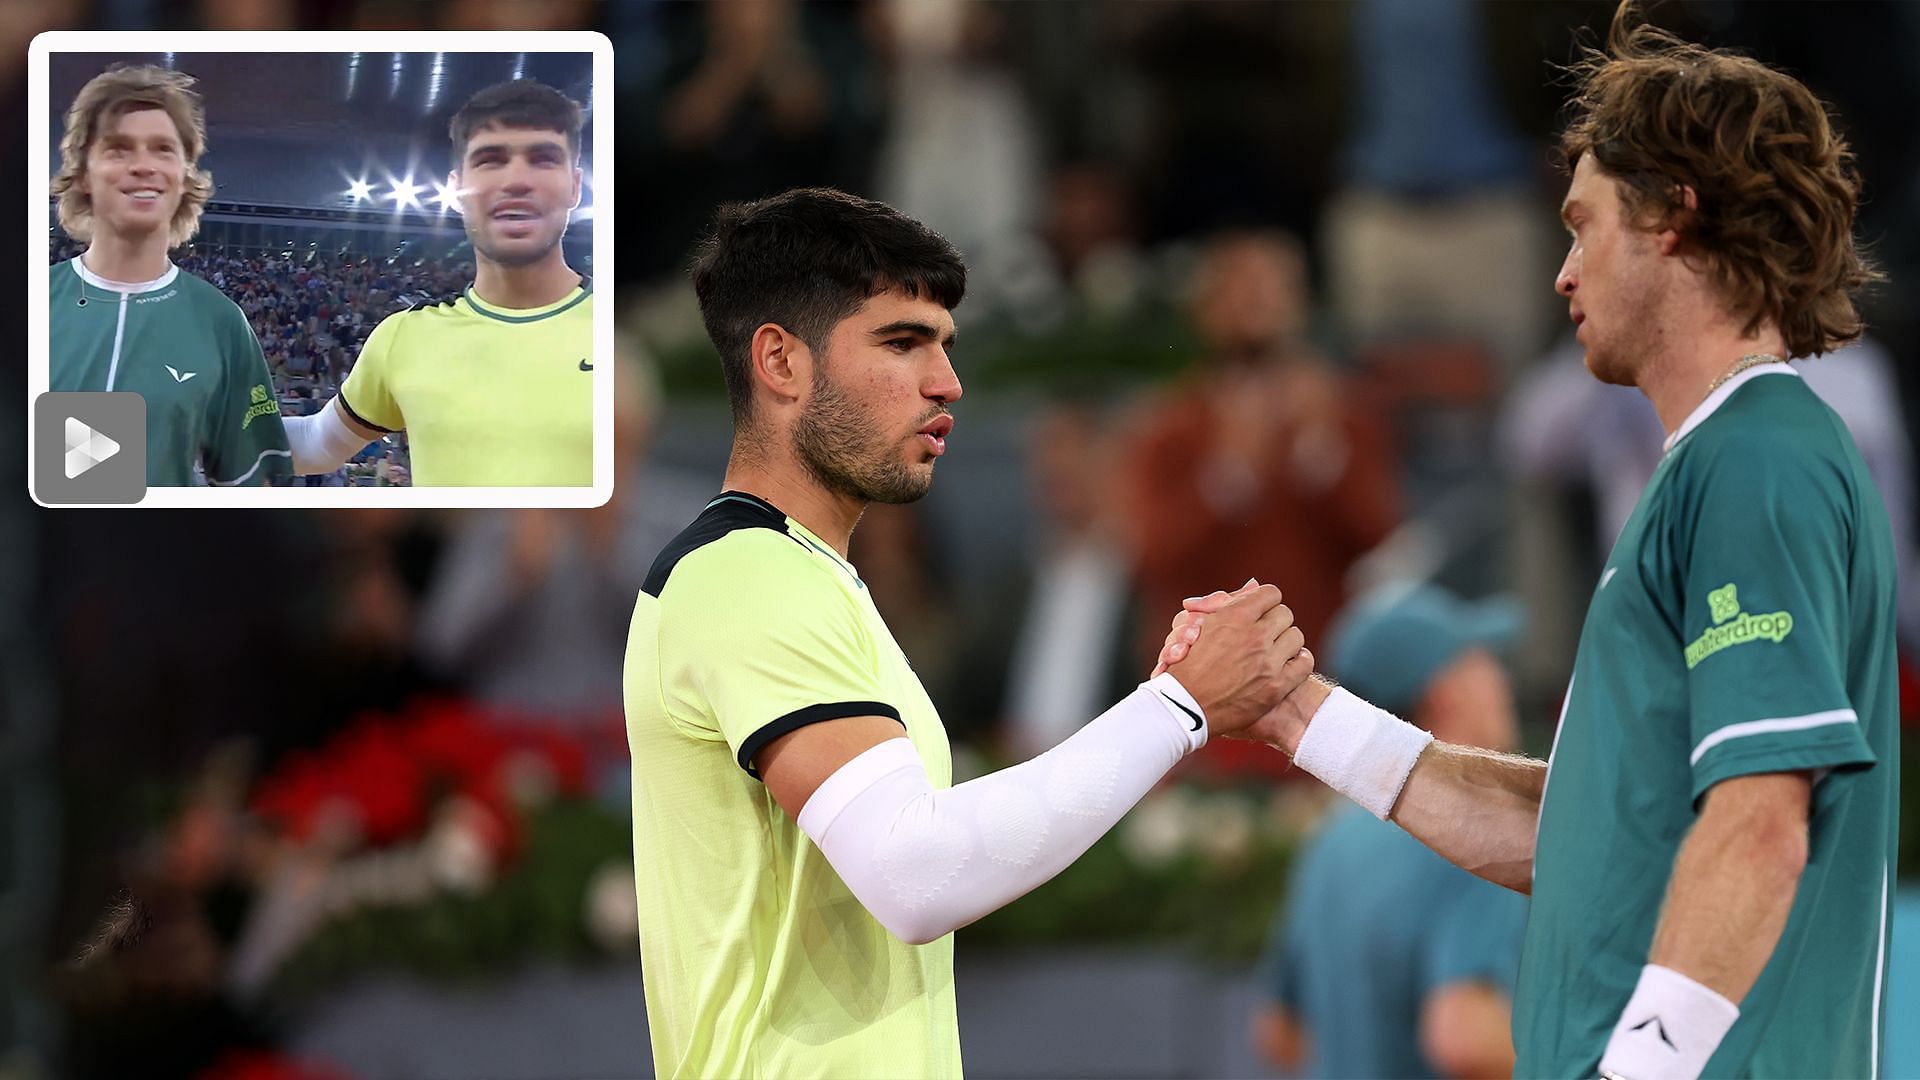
{"x":365,"y":775}
{"x":450,"y":739}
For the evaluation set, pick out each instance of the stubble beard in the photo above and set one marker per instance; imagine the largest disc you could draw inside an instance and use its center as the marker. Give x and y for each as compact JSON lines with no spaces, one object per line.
{"x":1623,"y":357}
{"x":1606,"y":364}
{"x":844,"y":449}
{"x":512,"y":260}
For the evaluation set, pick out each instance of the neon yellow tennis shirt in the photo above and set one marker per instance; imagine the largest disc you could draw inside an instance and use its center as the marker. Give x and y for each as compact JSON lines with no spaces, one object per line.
{"x":758,"y":960}
{"x":489,"y":396}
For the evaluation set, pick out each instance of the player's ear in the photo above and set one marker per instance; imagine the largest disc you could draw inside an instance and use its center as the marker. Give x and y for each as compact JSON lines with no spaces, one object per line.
{"x":1673,"y":233}
{"x":782,"y":363}
{"x":578,"y":175}
{"x":453,"y":185}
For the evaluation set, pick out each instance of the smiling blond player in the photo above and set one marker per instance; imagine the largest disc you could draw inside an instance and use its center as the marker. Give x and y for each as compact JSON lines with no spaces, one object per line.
{"x":494,"y":387}
{"x":122,"y":316}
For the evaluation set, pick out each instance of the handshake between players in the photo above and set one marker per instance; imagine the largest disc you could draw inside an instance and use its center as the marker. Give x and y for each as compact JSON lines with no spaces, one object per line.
{"x":1250,"y":664}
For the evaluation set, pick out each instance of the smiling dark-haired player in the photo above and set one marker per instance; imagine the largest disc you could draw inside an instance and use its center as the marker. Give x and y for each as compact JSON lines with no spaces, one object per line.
{"x":494,"y":387}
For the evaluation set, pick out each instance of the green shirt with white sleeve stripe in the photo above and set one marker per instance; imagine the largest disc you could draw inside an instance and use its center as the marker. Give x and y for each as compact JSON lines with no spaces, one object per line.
{"x":1744,"y":624}
{"x":183,"y":346}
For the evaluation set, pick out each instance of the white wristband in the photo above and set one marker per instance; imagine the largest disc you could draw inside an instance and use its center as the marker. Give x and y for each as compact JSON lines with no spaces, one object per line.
{"x":1183,"y":706}
{"x":1669,"y":1029}
{"x":1360,"y":751}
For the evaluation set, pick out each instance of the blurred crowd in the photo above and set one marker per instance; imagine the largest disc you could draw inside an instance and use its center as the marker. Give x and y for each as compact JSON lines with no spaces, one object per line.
{"x":1333,"y":224}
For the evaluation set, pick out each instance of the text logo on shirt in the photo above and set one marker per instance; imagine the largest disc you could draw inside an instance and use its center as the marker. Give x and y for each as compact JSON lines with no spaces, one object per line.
{"x":263,"y":405}
{"x":1735,"y":627}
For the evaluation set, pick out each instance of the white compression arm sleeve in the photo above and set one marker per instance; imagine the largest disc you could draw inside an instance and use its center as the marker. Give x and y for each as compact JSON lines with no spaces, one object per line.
{"x":926,"y":862}
{"x":322,"y":442}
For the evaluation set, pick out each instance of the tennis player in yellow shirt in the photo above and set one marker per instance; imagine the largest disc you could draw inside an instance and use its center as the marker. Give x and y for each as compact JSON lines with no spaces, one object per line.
{"x":493,"y":387}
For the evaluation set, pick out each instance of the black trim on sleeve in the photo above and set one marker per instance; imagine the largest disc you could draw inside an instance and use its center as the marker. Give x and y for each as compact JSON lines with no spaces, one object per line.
{"x":812,"y":714}
{"x":342,"y":399}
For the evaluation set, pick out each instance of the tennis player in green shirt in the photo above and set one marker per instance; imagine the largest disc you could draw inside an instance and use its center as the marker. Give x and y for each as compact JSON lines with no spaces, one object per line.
{"x":1710,"y":844}
{"x":122,"y":316}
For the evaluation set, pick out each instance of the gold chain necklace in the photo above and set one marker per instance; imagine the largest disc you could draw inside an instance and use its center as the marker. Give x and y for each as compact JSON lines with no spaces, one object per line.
{"x":1742,"y":364}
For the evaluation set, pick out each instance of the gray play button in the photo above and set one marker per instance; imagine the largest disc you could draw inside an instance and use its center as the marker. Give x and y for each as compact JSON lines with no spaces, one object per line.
{"x":86,"y":447}
{"x":89,"y":448}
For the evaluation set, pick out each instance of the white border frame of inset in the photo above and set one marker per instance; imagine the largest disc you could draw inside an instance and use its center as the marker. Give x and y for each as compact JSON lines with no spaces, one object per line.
{"x":334,"y":41}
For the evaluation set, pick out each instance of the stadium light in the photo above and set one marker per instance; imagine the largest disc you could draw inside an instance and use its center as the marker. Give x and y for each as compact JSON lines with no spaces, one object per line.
{"x":360,"y":191}
{"x":406,"y":193}
{"x":446,"y":195}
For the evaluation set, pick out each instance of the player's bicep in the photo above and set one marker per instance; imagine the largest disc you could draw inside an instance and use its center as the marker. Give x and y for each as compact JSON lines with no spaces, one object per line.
{"x":767,"y":644}
{"x":362,"y":430}
{"x":247,"y":442}
{"x":366,"y":396}
{"x":795,"y":764}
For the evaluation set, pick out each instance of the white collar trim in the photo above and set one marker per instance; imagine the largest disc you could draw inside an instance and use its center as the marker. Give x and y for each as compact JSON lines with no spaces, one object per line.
{"x":1719,"y":397}
{"x":98,"y":282}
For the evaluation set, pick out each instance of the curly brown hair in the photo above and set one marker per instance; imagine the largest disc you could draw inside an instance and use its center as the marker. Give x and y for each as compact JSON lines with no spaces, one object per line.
{"x":108,"y":96}
{"x":1773,"y":181}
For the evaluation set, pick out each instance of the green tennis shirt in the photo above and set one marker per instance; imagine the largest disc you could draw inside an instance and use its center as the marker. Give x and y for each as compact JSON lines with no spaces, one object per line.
{"x":187,"y":350}
{"x":1744,"y":624}
{"x":757,"y":959}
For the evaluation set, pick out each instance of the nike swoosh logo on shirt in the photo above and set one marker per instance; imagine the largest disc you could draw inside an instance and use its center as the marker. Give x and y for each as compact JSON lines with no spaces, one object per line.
{"x":1196,"y":716}
{"x":1606,"y":577}
{"x":586,"y":366}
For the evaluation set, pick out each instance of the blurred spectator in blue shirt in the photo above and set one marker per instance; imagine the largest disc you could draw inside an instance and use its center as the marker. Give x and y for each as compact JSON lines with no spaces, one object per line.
{"x":1388,"y":960}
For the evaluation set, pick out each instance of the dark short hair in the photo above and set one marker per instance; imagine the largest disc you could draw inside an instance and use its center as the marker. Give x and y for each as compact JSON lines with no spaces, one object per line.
{"x":518,"y":103}
{"x":804,"y":260}
{"x":1774,"y":180}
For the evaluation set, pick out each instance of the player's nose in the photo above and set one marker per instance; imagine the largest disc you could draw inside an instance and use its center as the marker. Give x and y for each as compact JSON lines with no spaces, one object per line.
{"x":946,"y":383}
{"x":518,"y":178}
{"x":1569,"y":277}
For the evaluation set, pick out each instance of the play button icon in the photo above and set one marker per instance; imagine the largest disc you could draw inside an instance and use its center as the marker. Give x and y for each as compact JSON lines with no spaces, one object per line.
{"x":89,"y":449}
{"x":86,"y":447}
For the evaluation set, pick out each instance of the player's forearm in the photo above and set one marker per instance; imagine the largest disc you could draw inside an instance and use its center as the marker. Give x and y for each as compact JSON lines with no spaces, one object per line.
{"x":1732,"y":889}
{"x":926,"y":862}
{"x":1733,"y":886}
{"x":1477,"y":808}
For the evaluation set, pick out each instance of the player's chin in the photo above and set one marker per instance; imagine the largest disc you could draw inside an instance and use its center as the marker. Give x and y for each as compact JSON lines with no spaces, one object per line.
{"x":1604,"y":367}
{"x":909,"y":485}
{"x":137,"y":223}
{"x":508,"y":244}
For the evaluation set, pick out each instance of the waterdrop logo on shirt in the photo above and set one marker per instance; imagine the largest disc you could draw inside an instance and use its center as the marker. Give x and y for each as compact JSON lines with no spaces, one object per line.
{"x":1735,"y":627}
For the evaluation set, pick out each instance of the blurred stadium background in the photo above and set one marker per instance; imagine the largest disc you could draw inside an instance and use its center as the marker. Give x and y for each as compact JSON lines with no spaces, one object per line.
{"x":343,"y":793}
